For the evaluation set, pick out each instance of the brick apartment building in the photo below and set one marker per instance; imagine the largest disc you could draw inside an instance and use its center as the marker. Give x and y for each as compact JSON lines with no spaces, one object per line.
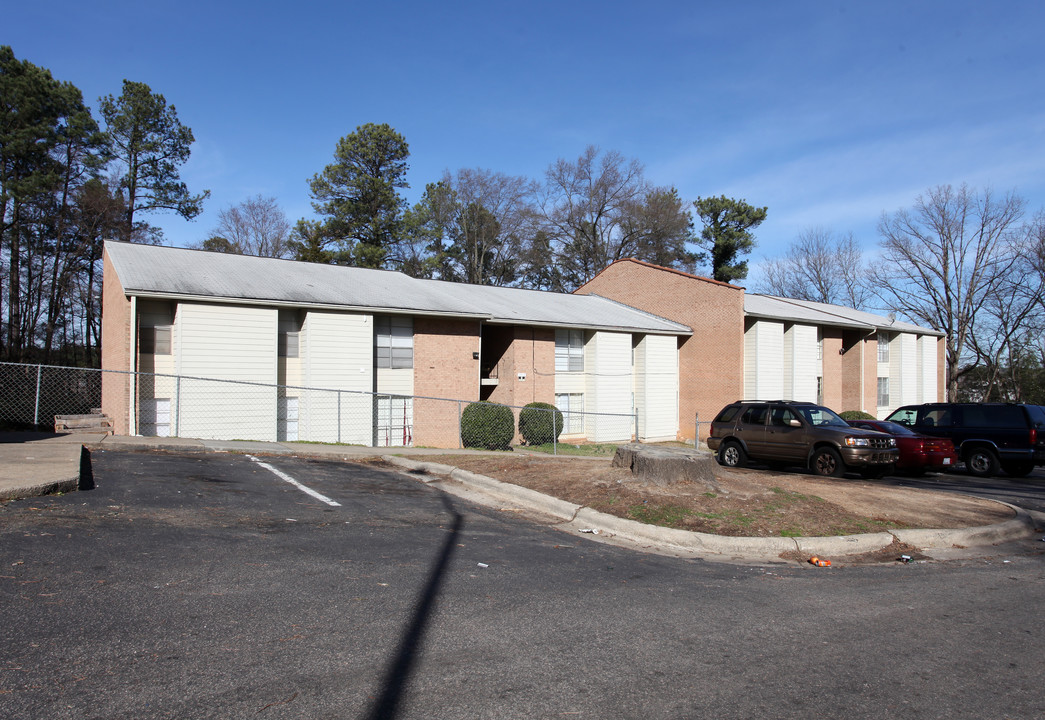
{"x":339,"y":354}
{"x":751,"y":346}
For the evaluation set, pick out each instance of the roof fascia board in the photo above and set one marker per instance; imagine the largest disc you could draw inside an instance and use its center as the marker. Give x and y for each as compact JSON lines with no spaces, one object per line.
{"x":369,"y":310}
{"x":588,"y":326}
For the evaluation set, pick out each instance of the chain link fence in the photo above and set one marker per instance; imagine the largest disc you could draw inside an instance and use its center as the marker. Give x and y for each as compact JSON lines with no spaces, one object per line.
{"x":160,"y":405}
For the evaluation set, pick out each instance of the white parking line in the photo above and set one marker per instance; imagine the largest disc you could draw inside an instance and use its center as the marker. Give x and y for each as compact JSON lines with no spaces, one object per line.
{"x":283,"y":476}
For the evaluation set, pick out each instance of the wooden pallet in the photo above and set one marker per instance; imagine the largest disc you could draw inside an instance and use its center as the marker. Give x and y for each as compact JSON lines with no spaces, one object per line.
{"x":69,"y":423}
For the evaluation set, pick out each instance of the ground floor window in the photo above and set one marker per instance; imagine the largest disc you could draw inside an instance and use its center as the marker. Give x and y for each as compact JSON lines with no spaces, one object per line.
{"x":572,"y":407}
{"x":394,"y":421}
{"x":883,"y":392}
{"x":156,"y":417}
{"x":287,"y":419}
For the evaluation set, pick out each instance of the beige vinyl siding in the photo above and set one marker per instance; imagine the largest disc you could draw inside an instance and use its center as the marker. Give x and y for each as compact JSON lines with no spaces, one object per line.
{"x":801,"y":363}
{"x":607,"y":362}
{"x":339,"y":355}
{"x":927,"y":366}
{"x":394,"y":413}
{"x":763,"y":348}
{"x":227,"y":342}
{"x":657,"y":387}
{"x":903,"y":371}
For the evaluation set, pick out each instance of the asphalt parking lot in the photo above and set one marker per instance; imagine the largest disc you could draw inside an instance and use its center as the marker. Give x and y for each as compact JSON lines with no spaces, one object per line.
{"x":209,"y":586}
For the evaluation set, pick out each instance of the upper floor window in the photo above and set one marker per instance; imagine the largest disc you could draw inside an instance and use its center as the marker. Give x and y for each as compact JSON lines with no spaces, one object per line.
{"x":883,"y":347}
{"x":289,"y":344}
{"x":393,"y":341}
{"x":569,"y":351}
{"x":156,"y":340}
{"x":290,"y":324}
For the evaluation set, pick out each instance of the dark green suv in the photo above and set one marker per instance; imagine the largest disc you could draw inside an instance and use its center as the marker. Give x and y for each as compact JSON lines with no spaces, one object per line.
{"x":988,"y":436}
{"x":799,"y":433}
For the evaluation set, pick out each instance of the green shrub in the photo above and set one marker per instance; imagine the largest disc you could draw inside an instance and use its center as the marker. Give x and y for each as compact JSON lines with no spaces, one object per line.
{"x":855,"y":415}
{"x":487,"y":425}
{"x":535,"y":423}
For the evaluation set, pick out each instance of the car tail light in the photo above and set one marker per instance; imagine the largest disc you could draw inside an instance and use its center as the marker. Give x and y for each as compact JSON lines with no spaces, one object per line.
{"x":1034,"y":436}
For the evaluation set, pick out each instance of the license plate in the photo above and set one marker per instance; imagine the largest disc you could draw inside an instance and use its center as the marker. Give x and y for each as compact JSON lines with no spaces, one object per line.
{"x":946,"y":461}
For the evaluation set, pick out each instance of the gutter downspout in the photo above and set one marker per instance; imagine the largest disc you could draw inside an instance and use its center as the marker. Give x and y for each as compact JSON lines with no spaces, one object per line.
{"x":132,"y":368}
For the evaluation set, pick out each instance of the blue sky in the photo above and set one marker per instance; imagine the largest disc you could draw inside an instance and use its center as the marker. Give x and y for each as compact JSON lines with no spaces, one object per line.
{"x":829,"y":113}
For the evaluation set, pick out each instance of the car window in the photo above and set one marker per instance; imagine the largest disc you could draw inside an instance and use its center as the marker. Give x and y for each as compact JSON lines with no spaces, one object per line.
{"x":1037,"y":414}
{"x":904,"y":416}
{"x":822,"y":416}
{"x":783,"y":416}
{"x":755,"y":415}
{"x":893,"y":428}
{"x":1008,"y":416}
{"x":727,"y":414}
{"x":937,"y":417}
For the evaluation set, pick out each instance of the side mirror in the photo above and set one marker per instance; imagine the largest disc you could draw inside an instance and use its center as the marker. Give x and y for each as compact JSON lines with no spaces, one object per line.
{"x":794,"y":422}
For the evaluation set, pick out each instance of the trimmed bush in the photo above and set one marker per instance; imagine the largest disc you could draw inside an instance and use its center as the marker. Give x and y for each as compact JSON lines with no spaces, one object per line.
{"x":855,"y":415}
{"x":535,"y":423}
{"x":487,"y":425}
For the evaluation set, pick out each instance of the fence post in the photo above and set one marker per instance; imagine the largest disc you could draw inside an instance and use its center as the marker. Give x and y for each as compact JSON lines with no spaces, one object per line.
{"x":637,"y":425}
{"x":555,"y":430}
{"x":36,"y":410}
{"x":696,"y":430}
{"x":460,"y":440}
{"x":177,"y":407}
{"x":338,"y":417}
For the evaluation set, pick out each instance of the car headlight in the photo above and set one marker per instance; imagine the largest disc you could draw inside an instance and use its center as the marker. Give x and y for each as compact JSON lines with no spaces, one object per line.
{"x":892,"y":442}
{"x":857,"y":442}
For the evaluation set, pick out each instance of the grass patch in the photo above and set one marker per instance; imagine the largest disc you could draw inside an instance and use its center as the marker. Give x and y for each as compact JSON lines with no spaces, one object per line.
{"x":584,"y":450}
{"x":664,"y":515}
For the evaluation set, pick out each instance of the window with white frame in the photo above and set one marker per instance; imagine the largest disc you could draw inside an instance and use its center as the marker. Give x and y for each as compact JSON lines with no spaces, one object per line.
{"x":288,"y":344}
{"x":393,"y":341}
{"x":819,"y":343}
{"x":290,"y":322}
{"x":572,"y":407}
{"x":883,"y":347}
{"x":569,"y":351}
{"x":883,"y":392}
{"x":156,"y":340}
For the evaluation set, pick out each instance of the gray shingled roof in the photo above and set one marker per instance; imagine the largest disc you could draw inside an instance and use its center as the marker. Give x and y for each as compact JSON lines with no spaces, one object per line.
{"x":814,"y":313}
{"x":156,"y":271}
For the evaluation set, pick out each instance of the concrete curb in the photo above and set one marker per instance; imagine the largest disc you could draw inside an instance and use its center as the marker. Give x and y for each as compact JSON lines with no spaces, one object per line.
{"x":69,"y":469}
{"x":578,"y":518}
{"x":1018,"y":527}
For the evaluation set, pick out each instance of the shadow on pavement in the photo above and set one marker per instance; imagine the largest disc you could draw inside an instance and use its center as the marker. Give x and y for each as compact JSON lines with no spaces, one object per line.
{"x":397,"y":676}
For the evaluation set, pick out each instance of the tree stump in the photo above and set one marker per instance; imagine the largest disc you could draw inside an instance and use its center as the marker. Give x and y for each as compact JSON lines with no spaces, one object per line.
{"x":667,"y":466}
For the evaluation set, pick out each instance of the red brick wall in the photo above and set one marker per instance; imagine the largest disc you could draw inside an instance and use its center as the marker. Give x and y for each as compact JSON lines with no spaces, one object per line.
{"x":116,"y":350}
{"x":711,"y":362}
{"x":831,"y":372}
{"x":443,"y":368}
{"x":532,"y":352}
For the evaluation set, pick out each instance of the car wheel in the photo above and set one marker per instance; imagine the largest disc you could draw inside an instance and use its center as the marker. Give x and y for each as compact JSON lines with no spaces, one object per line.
{"x":827,"y":462}
{"x":1018,"y":469}
{"x":982,"y":462}
{"x":731,"y":454}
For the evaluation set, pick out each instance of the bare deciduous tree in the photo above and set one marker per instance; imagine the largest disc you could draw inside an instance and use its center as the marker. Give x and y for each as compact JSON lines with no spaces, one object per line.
{"x":257,"y":226}
{"x":601,"y":208}
{"x":820,"y":267}
{"x":944,"y":259}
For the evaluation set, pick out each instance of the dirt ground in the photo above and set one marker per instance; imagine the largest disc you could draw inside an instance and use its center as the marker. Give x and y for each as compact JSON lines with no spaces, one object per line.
{"x":750,"y":503}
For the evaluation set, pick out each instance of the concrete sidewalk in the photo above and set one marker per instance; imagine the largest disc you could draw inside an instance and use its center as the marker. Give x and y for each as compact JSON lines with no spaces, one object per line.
{"x":34,"y":464}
